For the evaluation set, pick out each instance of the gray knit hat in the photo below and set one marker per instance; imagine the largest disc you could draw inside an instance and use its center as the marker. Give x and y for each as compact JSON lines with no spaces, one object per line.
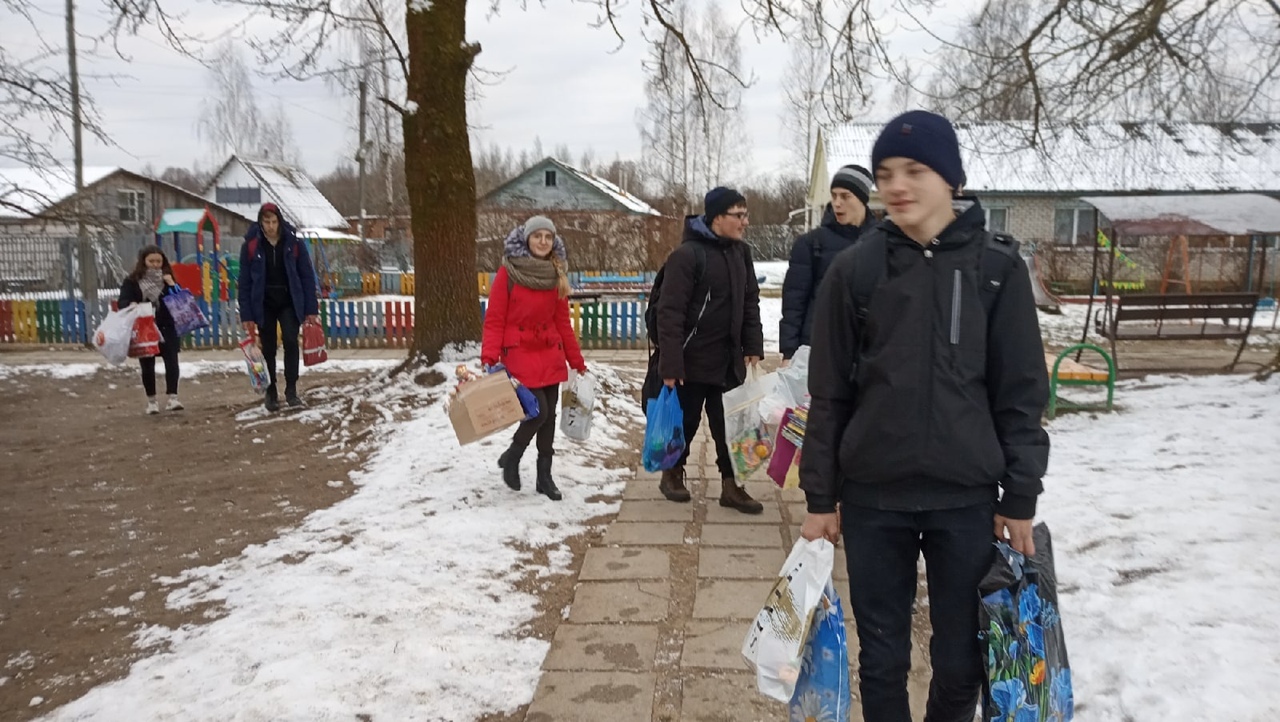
{"x":855,"y":179}
{"x":538,"y":223}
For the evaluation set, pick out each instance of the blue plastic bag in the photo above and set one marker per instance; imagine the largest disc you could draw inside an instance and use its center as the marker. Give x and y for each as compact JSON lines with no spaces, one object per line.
{"x":664,"y":432}
{"x":822,"y":689}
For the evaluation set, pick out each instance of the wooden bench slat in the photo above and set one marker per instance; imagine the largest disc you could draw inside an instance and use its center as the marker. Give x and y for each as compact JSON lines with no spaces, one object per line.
{"x":1181,"y":314}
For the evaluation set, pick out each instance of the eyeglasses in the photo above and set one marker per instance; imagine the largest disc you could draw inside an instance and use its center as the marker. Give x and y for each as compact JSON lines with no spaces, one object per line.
{"x":740,"y":215}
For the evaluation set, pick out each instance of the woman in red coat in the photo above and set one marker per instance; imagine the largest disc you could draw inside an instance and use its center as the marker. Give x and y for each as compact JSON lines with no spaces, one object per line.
{"x":527,"y":329}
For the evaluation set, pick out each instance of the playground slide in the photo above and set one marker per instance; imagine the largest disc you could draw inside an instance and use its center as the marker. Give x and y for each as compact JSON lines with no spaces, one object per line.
{"x":1045,"y":301}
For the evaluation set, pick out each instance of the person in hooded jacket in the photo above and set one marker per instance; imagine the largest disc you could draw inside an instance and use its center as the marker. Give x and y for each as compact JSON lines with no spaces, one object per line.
{"x":925,"y":423}
{"x":277,"y":285}
{"x":709,"y":332}
{"x":844,"y":219}
{"x":150,"y":281}
{"x":527,"y":330}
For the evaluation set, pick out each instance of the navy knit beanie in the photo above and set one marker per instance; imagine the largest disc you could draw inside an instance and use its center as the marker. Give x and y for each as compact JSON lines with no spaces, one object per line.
{"x":926,"y":138}
{"x":718,"y":201}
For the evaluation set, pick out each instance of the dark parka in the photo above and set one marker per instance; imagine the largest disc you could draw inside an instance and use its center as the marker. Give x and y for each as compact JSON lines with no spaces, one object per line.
{"x":730,"y":326}
{"x":944,"y":404}
{"x":800,"y":287}
{"x":253,"y":274}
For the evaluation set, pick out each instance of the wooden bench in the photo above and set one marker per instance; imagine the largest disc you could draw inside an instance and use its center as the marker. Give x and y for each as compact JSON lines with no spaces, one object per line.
{"x":1180,"y":317}
{"x":1069,"y":372}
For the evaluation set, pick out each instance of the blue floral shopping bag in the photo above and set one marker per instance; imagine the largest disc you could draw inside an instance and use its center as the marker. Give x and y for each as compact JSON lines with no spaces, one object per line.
{"x":822,"y":690}
{"x":1028,"y":676}
{"x":664,"y":432}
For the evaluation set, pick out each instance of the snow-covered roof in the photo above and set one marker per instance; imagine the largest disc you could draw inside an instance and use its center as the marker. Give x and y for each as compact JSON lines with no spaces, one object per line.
{"x":1228,"y":214}
{"x":25,"y":192}
{"x":625,"y":199}
{"x":302,"y":203}
{"x":326,"y":234}
{"x":1103,"y":157}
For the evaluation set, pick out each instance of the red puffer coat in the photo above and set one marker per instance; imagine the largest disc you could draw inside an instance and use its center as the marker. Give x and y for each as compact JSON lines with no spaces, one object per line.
{"x":529,"y":332}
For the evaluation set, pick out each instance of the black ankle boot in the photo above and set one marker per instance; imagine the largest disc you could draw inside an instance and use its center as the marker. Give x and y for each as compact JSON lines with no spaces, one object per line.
{"x":546,"y":486}
{"x":509,"y":462}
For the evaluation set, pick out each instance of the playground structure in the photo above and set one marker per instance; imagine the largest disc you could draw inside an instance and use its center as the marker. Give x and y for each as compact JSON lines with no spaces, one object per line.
{"x":1188,"y":315}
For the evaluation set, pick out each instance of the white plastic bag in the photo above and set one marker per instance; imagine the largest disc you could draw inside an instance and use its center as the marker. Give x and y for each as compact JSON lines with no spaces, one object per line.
{"x":749,"y":436}
{"x":114,"y":334}
{"x":774,"y":645}
{"x":795,"y":377}
{"x":576,"y":404}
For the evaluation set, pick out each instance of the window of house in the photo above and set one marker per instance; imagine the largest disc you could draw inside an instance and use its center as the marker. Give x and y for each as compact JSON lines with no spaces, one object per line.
{"x":550,"y":177}
{"x":131,"y":205}
{"x":997,"y":220}
{"x":1073,"y":226}
{"x":249,"y":196}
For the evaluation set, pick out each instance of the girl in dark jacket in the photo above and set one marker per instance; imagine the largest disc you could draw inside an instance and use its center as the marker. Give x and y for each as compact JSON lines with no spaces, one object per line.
{"x":527,"y":329}
{"x":277,"y":286}
{"x":151,"y":280}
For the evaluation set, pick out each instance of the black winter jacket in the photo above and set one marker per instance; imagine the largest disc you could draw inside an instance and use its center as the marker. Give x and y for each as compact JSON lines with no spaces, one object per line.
{"x":730,"y":325}
{"x":131,"y":293}
{"x":811,"y":256}
{"x":941,"y":408}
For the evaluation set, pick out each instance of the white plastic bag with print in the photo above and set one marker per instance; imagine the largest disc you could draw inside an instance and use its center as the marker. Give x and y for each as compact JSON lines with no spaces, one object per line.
{"x":750,"y":438}
{"x":576,"y":403}
{"x":774,"y":646}
{"x":115,"y":333}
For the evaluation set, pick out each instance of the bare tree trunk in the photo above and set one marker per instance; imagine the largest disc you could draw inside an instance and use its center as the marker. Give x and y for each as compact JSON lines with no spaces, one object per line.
{"x":440,"y":180}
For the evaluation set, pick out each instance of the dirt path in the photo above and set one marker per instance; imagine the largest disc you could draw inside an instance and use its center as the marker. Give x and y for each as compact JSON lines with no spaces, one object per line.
{"x":98,"y":502}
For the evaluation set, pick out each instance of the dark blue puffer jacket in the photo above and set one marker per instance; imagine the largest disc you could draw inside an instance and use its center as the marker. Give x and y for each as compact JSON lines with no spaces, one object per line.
{"x":253,"y":271}
{"x":811,"y":256}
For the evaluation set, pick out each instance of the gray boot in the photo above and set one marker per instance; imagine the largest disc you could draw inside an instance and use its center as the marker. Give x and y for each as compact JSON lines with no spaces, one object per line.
{"x":509,"y":462}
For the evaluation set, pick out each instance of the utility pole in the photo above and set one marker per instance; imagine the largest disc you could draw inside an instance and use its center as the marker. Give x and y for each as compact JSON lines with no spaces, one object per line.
{"x":364,"y":93}
{"x":386,"y":140}
{"x":88,"y":264}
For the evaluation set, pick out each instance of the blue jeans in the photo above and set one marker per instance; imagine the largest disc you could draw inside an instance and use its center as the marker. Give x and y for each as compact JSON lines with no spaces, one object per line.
{"x":882,"y":548}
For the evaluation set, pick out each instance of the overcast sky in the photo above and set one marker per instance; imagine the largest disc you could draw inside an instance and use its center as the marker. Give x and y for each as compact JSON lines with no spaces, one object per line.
{"x":566,"y":83}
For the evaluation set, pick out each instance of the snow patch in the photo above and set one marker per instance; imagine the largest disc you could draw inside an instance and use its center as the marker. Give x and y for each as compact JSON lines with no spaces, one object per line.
{"x":400,"y":597}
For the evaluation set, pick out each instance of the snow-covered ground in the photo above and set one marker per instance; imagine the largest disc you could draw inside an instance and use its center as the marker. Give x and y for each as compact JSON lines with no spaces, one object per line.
{"x":399,"y":602}
{"x":1166,"y":523}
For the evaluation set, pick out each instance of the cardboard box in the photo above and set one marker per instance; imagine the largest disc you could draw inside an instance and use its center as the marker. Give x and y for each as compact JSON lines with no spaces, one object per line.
{"x":483,"y":407}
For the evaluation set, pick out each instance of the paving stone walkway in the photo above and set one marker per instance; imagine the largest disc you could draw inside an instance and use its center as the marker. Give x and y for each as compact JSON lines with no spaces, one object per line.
{"x":655,"y":630}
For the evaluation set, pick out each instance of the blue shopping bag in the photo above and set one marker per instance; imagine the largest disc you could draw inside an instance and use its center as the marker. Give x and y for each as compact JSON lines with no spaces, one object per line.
{"x":186,"y":313}
{"x":1028,"y":674}
{"x":822,"y":689}
{"x":664,"y":432}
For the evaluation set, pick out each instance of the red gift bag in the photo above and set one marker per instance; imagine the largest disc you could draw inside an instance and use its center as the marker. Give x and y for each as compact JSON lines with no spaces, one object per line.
{"x":313,"y":350}
{"x":146,"y":335}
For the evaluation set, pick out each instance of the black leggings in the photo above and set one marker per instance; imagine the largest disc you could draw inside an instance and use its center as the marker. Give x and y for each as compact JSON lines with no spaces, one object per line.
{"x":280,"y":311}
{"x":169,"y":352}
{"x":544,"y":425}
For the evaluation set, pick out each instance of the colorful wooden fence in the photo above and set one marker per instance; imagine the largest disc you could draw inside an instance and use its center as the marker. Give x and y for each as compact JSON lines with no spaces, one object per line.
{"x":348,"y":324}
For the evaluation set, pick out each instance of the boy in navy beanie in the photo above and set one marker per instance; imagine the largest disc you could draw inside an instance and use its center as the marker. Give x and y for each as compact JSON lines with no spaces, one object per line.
{"x":924,"y":436}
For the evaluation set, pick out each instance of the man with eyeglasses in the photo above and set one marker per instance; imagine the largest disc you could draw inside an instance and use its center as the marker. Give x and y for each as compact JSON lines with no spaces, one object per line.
{"x":709,"y":331}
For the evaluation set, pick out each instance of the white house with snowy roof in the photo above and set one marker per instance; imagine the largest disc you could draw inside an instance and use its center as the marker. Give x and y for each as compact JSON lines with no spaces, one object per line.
{"x":1034,"y":192}
{"x":244,"y":184}
{"x":604,"y":226}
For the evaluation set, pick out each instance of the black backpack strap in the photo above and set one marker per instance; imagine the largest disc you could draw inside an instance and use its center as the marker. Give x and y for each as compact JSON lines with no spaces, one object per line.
{"x":998,"y":258}
{"x":872,"y":254}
